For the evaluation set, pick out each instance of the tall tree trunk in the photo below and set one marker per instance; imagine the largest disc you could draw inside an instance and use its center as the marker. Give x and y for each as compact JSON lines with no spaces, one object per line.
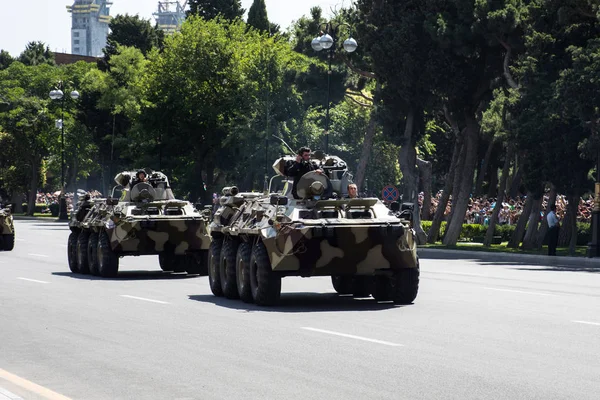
{"x":516,"y":183}
{"x":517,"y":235}
{"x":489,"y":234}
{"x":434,"y":231}
{"x":570,"y":221}
{"x":33,"y":186}
{"x":530,"y":239}
{"x":544,"y":225}
{"x":17,"y":200}
{"x":461,"y":201}
{"x":407,"y":158}
{"x":425,"y":170}
{"x":484,"y":167}
{"x":492,"y":190}
{"x":365,"y":156}
{"x":457,"y":179}
{"x":574,"y":200}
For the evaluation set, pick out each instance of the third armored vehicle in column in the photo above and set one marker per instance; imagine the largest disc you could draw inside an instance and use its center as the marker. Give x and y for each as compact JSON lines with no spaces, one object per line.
{"x":7,"y":229}
{"x":257,"y":239}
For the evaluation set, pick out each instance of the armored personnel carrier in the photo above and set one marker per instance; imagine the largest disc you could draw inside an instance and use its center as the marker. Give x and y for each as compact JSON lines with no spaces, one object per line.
{"x":7,"y":229}
{"x":257,"y":239}
{"x":145,"y":220}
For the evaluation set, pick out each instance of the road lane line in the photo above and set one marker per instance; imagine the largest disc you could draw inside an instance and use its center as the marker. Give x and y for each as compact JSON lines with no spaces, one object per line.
{"x":519,"y":291}
{"x":20,"y":240}
{"x":31,"y":387}
{"x":37,"y":255}
{"x":587,"y":323}
{"x":352,"y":336}
{"x":32,"y":280}
{"x":9,"y":395}
{"x":144,"y":299}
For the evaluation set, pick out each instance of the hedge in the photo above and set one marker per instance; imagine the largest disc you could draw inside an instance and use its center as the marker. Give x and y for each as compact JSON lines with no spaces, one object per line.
{"x":469,"y":232}
{"x":41,"y":207}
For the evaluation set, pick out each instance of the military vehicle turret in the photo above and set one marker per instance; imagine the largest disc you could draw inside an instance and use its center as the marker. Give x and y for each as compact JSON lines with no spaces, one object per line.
{"x":257,"y":239}
{"x":7,"y":229}
{"x":145,"y":220}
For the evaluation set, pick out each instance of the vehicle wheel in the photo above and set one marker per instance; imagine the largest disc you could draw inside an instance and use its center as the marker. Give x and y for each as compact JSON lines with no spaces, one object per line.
{"x":1,"y":243}
{"x":405,"y":285}
{"x":165,"y":262}
{"x":72,"y":252}
{"x":227,"y":268}
{"x":242,"y":271}
{"x":82,"y":245}
{"x":179,"y":263}
{"x":214,"y":277}
{"x":382,"y":288}
{"x":108,"y":262}
{"x":8,"y":242}
{"x":92,"y":253}
{"x":266,"y":286}
{"x":196,"y":264}
{"x":342,"y":284}
{"x":361,"y":286}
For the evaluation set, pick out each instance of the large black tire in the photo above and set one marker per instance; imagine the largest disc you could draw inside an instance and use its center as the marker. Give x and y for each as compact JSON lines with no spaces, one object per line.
{"x":108,"y":262}
{"x":342,"y":284}
{"x":265,"y":284}
{"x":82,"y":245}
{"x":405,"y":285}
{"x":242,"y":272}
{"x":72,"y":252}
{"x":362,"y":286}
{"x":227,"y":268}
{"x":214,"y":277}
{"x":8,"y":242}
{"x":382,"y":288}
{"x":197,"y":264}
{"x":166,"y":262}
{"x":92,"y":253}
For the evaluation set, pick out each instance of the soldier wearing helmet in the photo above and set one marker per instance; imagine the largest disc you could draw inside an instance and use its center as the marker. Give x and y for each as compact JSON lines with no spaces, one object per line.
{"x":301,"y":166}
{"x":140,"y":177}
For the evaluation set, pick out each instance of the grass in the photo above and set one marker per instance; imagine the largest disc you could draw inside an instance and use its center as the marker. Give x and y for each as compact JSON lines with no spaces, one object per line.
{"x":580,"y":251}
{"x":37,"y":215}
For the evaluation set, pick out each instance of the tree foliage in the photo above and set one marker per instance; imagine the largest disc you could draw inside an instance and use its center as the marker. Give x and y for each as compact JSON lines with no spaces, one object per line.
{"x":211,"y":9}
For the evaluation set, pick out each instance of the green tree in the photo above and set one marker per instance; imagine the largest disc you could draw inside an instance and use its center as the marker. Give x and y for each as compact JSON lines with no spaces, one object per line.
{"x":257,"y":16}
{"x":36,"y":53}
{"x":5,"y":59}
{"x":210,"y":9}
{"x":131,"y":31}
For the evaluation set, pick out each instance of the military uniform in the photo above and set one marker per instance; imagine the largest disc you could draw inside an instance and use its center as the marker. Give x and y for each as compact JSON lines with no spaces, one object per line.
{"x":297,"y":170}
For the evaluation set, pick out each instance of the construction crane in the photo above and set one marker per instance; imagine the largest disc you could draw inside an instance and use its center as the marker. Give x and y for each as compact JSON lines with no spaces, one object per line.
{"x":170,"y":15}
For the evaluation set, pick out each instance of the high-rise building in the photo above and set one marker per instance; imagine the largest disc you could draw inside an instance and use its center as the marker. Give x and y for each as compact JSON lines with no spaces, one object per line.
{"x":170,"y":15}
{"x":89,"y":27}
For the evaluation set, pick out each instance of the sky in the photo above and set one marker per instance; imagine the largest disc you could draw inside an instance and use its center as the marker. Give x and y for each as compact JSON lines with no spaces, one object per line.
{"x":48,"y":21}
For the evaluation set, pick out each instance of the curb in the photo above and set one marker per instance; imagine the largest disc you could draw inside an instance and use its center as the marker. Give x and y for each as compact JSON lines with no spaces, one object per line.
{"x":532,"y":259}
{"x":28,"y":218}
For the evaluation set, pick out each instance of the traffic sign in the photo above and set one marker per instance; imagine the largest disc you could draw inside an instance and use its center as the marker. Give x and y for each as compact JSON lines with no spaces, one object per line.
{"x":390,"y":193}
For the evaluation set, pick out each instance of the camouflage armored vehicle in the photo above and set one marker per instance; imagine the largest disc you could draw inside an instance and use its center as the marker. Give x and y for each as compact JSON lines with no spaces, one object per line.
{"x":7,"y":229}
{"x":257,"y":239}
{"x":146,"y":220}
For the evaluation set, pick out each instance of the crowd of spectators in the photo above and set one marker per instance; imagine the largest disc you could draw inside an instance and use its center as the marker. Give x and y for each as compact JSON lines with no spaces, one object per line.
{"x":480,"y":209}
{"x":48,"y":199}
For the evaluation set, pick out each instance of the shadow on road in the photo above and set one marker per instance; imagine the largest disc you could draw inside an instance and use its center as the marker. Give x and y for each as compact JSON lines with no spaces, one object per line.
{"x":302,"y":303}
{"x":130,"y":276}
{"x":563,"y":269}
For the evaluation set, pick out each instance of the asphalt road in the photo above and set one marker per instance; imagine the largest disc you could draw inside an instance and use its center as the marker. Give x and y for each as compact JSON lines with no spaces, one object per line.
{"x":476,"y":331}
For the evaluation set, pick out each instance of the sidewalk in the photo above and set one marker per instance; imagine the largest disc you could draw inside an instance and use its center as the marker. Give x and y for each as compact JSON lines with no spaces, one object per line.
{"x":29,"y":218}
{"x":529,"y":259}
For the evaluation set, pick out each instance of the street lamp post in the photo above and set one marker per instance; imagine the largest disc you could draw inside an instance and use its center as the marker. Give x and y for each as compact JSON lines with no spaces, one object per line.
{"x":327,"y":42}
{"x":58,"y":94}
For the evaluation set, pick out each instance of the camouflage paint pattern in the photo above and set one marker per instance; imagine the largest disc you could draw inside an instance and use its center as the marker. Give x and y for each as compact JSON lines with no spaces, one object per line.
{"x":6,"y":222}
{"x":145,"y":228}
{"x":311,"y":236}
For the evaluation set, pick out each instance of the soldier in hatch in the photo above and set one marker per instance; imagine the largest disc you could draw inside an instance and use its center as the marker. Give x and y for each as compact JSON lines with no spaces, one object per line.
{"x":352,"y":191}
{"x":140,"y":177}
{"x":301,"y":166}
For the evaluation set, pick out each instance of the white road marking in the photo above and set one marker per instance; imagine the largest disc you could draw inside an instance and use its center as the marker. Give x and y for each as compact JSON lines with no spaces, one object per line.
{"x":20,"y":240}
{"x":519,"y":291}
{"x":37,"y":255}
{"x":141,"y":298}
{"x":353,"y":337}
{"x":587,"y":323}
{"x":32,"y":387}
{"x":9,"y":395}
{"x":33,"y":280}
